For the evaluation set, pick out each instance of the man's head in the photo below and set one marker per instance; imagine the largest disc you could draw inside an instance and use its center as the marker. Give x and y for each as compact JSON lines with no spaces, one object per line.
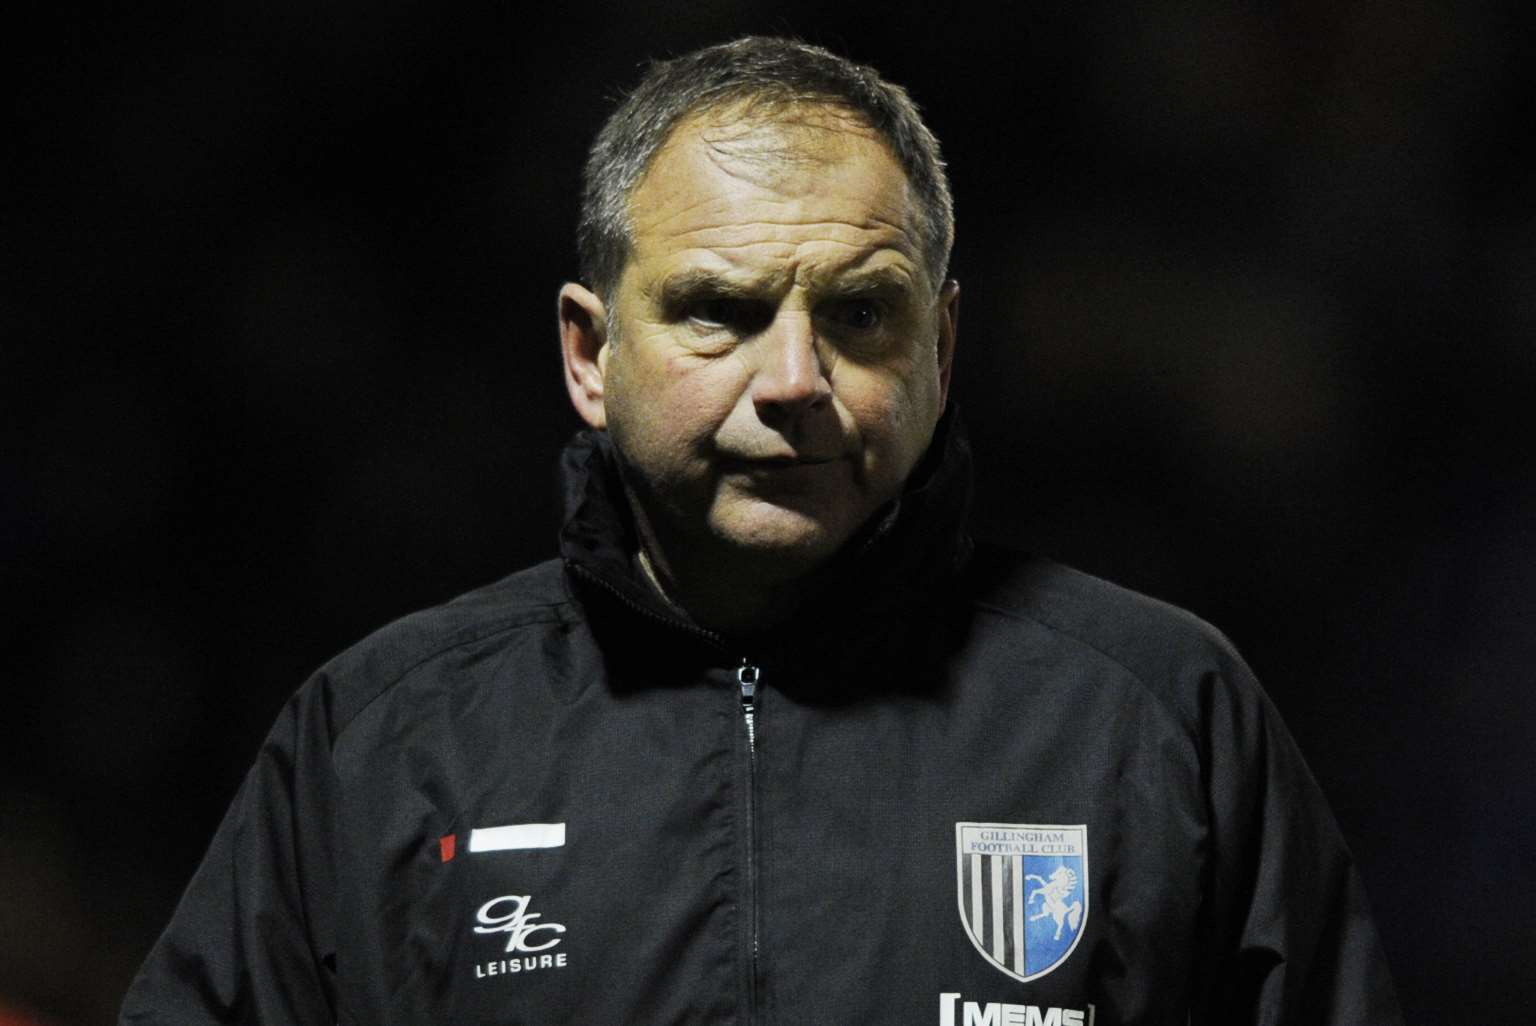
{"x":773,"y":351}
{"x":759,"y":75}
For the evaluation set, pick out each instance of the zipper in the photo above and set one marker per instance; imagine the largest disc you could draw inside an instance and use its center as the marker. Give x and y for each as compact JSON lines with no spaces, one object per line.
{"x":748,"y":674}
{"x":747,"y":677}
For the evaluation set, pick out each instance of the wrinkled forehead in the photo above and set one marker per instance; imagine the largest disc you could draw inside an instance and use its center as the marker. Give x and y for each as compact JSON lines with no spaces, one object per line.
{"x":770,"y":169}
{"x":767,"y":142}
{"x":783,"y":134}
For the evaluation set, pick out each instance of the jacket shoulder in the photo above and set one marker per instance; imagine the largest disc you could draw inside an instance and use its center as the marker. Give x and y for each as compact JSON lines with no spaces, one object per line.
{"x":1171,"y":651}
{"x":485,"y":618}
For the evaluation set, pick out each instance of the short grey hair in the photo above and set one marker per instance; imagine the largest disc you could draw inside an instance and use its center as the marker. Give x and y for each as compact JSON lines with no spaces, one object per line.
{"x":764,"y":71}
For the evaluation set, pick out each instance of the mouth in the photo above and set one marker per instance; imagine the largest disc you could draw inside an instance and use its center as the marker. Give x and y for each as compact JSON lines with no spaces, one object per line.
{"x":777,"y":462}
{"x":796,"y":461}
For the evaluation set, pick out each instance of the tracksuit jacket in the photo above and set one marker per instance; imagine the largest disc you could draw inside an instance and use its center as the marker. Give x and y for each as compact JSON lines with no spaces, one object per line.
{"x":963,"y":786}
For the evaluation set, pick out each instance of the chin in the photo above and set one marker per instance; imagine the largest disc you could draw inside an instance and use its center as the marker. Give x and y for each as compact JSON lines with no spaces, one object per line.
{"x":791,"y":541}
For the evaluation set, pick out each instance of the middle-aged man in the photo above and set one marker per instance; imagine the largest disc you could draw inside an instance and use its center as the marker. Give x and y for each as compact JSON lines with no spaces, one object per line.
{"x":773,"y":742}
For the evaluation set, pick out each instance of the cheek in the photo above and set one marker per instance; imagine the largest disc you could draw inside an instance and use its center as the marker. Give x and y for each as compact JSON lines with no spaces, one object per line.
{"x":895,"y":415}
{"x":701,"y":391}
{"x":886,"y":406}
{"x":669,"y":407}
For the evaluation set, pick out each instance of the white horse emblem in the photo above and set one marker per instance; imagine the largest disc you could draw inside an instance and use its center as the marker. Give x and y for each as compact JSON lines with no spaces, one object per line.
{"x":1024,"y":893}
{"x":1053,"y":895}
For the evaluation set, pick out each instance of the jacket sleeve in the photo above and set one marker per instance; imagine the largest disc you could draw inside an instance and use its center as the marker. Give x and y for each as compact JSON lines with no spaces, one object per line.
{"x":1290,"y":937}
{"x":250,"y":941}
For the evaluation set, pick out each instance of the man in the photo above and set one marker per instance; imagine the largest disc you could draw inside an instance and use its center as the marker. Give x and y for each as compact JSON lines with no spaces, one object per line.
{"x":773,"y":742}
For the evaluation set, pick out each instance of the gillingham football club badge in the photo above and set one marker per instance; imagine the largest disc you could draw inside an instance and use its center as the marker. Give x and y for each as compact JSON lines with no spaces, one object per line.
{"x":1022,"y":889}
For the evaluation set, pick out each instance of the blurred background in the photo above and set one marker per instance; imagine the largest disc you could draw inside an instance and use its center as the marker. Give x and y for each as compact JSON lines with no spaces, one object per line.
{"x":1248,"y":324}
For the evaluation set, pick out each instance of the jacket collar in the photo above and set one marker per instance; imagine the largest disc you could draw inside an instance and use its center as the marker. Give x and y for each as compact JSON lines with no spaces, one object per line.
{"x":901,"y":562}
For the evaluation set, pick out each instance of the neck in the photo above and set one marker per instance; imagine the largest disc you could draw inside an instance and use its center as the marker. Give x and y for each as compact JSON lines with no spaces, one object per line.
{"x":730,"y":596}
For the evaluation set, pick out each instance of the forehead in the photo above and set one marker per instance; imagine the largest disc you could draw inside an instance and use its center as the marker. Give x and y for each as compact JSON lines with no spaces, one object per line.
{"x":736,"y":185}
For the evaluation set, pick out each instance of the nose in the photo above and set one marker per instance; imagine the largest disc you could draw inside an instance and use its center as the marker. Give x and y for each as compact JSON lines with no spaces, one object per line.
{"x":789,"y":379}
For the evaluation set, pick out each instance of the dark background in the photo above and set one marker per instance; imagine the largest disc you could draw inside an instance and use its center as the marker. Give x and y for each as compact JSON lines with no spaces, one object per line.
{"x":1248,"y":324}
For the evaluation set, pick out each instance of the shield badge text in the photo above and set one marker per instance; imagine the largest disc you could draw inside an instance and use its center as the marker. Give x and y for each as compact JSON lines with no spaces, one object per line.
{"x":1022,"y":889}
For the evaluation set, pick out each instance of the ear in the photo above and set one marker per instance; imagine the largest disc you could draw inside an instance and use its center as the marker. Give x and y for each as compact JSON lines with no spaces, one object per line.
{"x":584,"y":347}
{"x":949,"y":328}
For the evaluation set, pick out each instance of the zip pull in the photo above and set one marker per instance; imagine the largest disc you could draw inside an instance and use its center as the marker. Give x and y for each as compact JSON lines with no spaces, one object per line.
{"x":747,"y":676}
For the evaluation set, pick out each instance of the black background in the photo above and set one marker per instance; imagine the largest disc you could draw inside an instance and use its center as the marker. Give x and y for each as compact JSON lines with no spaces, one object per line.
{"x":1247,"y":323}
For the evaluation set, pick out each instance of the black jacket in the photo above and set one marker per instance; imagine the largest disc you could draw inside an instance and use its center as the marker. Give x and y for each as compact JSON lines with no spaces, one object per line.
{"x":980,"y":788}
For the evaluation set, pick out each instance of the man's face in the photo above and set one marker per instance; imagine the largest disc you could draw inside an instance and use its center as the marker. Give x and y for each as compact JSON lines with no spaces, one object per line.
{"x":778,"y":355}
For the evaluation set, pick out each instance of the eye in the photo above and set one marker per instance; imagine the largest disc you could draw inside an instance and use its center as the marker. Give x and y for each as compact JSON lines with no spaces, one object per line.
{"x":857,"y":314}
{"x":743,"y":316}
{"x":717,"y":313}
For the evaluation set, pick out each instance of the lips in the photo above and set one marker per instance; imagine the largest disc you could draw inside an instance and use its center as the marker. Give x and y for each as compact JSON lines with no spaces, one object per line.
{"x":776,"y":462}
{"x":793,"y":461}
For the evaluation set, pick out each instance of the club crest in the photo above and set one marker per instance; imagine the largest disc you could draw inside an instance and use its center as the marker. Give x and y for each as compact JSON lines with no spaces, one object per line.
{"x":1022,"y":890}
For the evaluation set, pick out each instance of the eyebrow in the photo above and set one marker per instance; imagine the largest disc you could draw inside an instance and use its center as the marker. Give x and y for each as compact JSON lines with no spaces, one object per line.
{"x":686,"y":286}
{"x":877,"y":281}
{"x":696,"y":283}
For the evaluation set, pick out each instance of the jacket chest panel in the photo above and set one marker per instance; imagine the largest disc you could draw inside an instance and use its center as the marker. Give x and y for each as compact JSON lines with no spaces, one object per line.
{"x":1088,"y":843}
{"x":577,"y":863}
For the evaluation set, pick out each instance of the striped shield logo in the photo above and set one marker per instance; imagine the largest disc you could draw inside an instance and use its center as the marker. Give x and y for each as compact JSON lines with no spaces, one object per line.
{"x":1022,"y":889}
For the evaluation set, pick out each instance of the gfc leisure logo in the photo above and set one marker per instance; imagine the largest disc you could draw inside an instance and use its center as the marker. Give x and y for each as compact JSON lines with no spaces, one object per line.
{"x":1022,"y":889}
{"x":529,"y":941}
